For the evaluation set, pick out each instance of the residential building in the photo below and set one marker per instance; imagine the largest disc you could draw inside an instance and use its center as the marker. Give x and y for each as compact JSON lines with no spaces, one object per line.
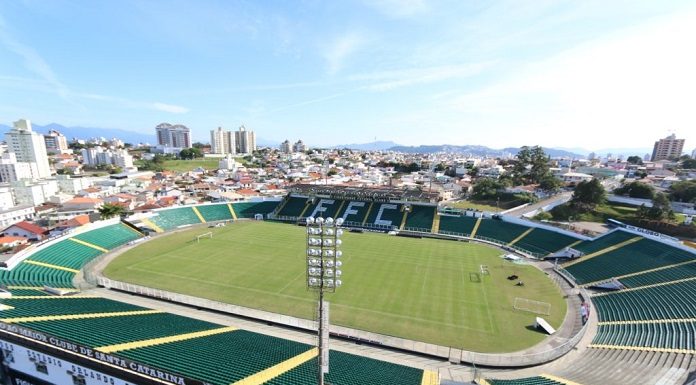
{"x":6,"y":199}
{"x":285,"y":147}
{"x":122,"y":158}
{"x":227,"y":163}
{"x":669,"y":147}
{"x":33,"y":192}
{"x":245,"y":141}
{"x":299,"y":146}
{"x":27,"y":230}
{"x":29,"y":146}
{"x":13,"y":214}
{"x":176,"y":135}
{"x":70,"y":184}
{"x":55,"y":142}
{"x":11,"y":170}
{"x":222,"y":141}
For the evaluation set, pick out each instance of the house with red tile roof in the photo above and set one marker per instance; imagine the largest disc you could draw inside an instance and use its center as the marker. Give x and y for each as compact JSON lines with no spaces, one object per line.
{"x":26,"y":230}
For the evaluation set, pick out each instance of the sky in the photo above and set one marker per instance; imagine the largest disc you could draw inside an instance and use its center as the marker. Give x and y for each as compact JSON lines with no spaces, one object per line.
{"x":571,"y":74}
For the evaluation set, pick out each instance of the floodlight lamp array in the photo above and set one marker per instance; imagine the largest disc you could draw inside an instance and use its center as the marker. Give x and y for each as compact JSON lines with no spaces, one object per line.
{"x":323,"y":254}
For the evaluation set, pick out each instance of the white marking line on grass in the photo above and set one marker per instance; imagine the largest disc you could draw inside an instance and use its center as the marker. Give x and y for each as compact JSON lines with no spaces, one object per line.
{"x":488,"y":306}
{"x":302,"y":273}
{"x":311,"y":300}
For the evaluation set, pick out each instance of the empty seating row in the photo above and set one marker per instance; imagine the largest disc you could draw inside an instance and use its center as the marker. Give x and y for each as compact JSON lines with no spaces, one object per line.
{"x":606,"y":240}
{"x":671,"y":301}
{"x":668,"y":335}
{"x":120,"y":329}
{"x":542,"y":241}
{"x":292,"y":206}
{"x":110,"y":237}
{"x":250,"y":209}
{"x":51,"y":306}
{"x":420,"y":218}
{"x":498,"y":230}
{"x":638,"y":256}
{"x":525,"y":381}
{"x":26,"y":274}
{"x":218,"y":359}
{"x":215,"y":212}
{"x":457,"y":225}
{"x":172,"y":218}
{"x":665,"y":275}
{"x":66,"y":253}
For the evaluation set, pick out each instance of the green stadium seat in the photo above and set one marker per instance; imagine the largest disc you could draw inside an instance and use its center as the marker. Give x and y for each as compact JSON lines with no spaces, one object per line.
{"x":215,"y":212}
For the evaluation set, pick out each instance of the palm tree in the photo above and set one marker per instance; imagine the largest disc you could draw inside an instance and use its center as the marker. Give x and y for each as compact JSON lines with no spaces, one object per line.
{"x":110,"y":210}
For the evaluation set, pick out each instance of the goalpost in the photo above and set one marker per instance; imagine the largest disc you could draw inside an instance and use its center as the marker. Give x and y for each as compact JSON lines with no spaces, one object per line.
{"x":532,"y":306}
{"x":209,"y":234}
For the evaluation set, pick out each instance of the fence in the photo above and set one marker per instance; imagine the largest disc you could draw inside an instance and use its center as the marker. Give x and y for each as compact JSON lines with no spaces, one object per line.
{"x":446,"y":352}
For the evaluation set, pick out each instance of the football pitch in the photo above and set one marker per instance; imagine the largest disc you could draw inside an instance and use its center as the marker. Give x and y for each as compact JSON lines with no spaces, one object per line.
{"x":422,"y":289}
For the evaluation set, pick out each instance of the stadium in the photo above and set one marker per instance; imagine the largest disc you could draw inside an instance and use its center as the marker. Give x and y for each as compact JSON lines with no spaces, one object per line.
{"x":214,"y":294}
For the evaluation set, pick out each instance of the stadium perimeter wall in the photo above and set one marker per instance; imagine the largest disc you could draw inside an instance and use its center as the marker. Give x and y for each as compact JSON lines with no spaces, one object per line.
{"x":502,"y":360}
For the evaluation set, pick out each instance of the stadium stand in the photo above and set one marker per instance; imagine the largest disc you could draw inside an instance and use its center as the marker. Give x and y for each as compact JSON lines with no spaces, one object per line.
{"x":644,"y":254}
{"x":668,"y":274}
{"x":250,"y":209}
{"x":458,"y":225}
{"x":659,"y":335}
{"x":420,"y":217}
{"x":604,"y":241}
{"x":385,"y":214}
{"x":542,"y":241}
{"x":172,"y":218}
{"x":120,"y":328}
{"x":647,"y":330}
{"x":292,"y":206}
{"x":667,"y":301}
{"x":526,"y":381}
{"x":216,"y":212}
{"x":109,"y":237}
{"x":498,"y":230}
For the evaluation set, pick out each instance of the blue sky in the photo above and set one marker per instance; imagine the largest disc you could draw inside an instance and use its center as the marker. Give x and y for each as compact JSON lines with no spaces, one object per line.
{"x":590,"y":74}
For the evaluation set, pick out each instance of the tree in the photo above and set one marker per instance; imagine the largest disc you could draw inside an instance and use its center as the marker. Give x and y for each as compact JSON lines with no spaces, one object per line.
{"x":531,"y":165}
{"x":636,"y":190}
{"x":109,"y":210}
{"x":486,"y":189}
{"x":549,"y":183}
{"x":634,"y":159}
{"x":661,"y":208}
{"x":473,"y":172}
{"x":683,"y":191}
{"x":689,"y":164}
{"x":587,"y":195}
{"x":198,"y":145}
{"x":440,"y":167}
{"x":190,"y":153}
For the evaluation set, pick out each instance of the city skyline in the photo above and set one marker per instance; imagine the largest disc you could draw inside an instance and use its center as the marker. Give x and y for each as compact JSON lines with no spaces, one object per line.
{"x":542,"y":73}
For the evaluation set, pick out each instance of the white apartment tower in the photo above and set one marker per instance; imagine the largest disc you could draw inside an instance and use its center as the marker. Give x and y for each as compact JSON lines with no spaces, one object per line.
{"x":245,"y":140}
{"x":223,"y":141}
{"x":29,"y":146}
{"x":299,"y":146}
{"x":285,"y":147}
{"x":55,"y":142}
{"x":176,"y":135}
{"x":669,"y":147}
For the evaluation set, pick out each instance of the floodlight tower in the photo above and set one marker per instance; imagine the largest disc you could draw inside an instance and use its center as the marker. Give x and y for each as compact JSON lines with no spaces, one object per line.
{"x":323,"y":275}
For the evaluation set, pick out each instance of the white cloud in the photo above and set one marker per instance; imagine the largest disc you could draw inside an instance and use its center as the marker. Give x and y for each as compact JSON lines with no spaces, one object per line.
{"x":32,"y":60}
{"x":341,"y":49}
{"x":627,"y":88}
{"x":389,"y":80}
{"x":170,"y":108}
{"x":398,"y":8}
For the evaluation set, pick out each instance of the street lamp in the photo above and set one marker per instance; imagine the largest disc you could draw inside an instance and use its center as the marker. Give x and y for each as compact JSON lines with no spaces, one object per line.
{"x":323,"y":275}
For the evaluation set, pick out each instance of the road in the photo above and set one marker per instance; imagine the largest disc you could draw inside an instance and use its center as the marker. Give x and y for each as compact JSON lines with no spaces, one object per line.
{"x":559,"y":198}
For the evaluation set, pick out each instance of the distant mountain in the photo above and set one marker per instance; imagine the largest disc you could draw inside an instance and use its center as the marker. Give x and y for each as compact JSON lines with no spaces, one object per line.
{"x":474,"y":150}
{"x":372,"y":146}
{"x":639,"y":151}
{"x":91,"y":132}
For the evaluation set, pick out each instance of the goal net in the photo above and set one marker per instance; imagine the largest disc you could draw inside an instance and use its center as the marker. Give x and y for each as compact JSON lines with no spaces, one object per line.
{"x":209,"y":234}
{"x":532,"y":306}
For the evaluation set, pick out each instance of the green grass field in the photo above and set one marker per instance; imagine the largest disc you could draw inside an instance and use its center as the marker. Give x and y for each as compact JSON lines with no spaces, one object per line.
{"x":422,"y":289}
